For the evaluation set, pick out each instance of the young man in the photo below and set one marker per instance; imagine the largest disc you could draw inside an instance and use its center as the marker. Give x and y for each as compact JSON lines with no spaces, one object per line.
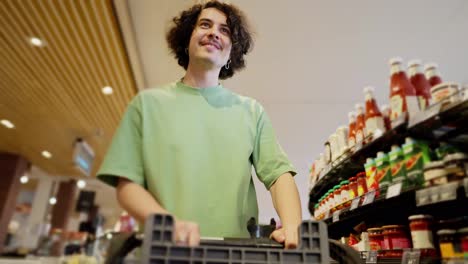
{"x":187,"y":148}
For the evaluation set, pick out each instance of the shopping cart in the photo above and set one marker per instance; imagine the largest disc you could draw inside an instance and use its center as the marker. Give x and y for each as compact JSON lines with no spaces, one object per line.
{"x":158,"y":246}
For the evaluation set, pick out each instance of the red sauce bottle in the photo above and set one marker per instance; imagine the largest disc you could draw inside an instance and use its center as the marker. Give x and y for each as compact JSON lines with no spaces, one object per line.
{"x":374,"y":120}
{"x":386,"y":116}
{"x":352,"y":129}
{"x":432,"y":74}
{"x":360,"y":123}
{"x":403,"y":100}
{"x":420,"y":83}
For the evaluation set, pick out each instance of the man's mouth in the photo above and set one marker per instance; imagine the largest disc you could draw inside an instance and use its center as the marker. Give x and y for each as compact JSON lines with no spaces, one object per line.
{"x":211,"y":43}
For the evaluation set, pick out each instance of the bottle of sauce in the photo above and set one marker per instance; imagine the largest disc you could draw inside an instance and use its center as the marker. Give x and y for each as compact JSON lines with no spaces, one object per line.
{"x":353,"y":188}
{"x":361,"y":183}
{"x":352,"y":129}
{"x":342,"y":134}
{"x":420,"y":83}
{"x":375,"y":238}
{"x":403,"y":99}
{"x":421,"y":231}
{"x":345,"y":191}
{"x":360,"y":124}
{"x":374,"y":121}
{"x":371,"y":171}
{"x":432,"y":74}
{"x":386,"y":117}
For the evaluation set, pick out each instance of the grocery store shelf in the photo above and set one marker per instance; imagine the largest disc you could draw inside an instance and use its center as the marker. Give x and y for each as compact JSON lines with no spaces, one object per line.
{"x":396,"y":210}
{"x":439,"y":122}
{"x":408,"y":256}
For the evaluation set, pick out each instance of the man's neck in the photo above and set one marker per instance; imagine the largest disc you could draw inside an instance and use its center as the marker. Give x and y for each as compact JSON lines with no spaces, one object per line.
{"x":201,"y":78}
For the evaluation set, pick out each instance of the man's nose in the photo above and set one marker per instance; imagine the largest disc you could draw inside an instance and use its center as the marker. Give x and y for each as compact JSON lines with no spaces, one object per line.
{"x":214,"y":33}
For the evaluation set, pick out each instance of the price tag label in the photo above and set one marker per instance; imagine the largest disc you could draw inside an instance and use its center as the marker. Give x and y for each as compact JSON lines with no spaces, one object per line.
{"x":369,"y":198}
{"x":371,"y":257}
{"x":411,"y":257}
{"x":355,"y":203}
{"x":336,"y":216}
{"x":327,"y":214}
{"x":424,"y":115}
{"x":394,"y":190}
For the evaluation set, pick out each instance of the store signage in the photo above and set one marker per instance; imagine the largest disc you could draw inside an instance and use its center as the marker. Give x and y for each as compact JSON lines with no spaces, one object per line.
{"x":355,"y":203}
{"x":369,"y":198}
{"x":83,"y":156}
{"x":336,"y":216}
{"x":394,"y":190}
{"x":371,"y":257}
{"x":411,"y":257}
{"x":424,"y":115}
{"x":327,"y":214}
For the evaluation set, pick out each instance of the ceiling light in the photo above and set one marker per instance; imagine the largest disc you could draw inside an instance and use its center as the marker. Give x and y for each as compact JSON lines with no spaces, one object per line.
{"x":107,"y":90}
{"x":24,"y":179}
{"x":46,"y":154}
{"x":52,"y":200}
{"x":81,"y":184}
{"x":37,"y":42}
{"x":7,"y":123}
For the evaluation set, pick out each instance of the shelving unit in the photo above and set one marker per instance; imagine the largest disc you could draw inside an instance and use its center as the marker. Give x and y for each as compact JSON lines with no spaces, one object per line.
{"x":442,"y":122}
{"x":435,"y":124}
{"x":396,"y":210}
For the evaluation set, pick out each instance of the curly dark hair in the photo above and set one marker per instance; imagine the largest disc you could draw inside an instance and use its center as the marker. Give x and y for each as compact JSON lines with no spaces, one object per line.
{"x":178,"y":36}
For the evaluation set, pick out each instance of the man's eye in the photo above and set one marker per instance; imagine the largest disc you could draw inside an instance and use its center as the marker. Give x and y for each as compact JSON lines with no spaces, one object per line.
{"x":204,"y":25}
{"x":226,"y":31}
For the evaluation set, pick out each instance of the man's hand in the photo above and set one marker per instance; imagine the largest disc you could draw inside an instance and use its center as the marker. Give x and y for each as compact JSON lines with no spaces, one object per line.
{"x":287,"y":236}
{"x":186,"y":233}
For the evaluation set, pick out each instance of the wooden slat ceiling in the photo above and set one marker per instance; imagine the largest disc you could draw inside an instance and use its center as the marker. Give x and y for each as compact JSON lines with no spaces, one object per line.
{"x":52,"y":94}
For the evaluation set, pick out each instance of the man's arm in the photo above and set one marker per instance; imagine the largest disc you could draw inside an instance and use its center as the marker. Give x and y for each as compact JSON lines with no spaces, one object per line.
{"x":139,"y":203}
{"x":288,"y":206}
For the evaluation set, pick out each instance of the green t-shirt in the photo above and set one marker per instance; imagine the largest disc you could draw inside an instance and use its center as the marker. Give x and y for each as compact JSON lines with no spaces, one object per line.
{"x":193,"y":149}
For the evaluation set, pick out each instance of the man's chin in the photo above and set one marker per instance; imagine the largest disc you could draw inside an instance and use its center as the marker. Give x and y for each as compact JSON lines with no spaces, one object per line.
{"x":209,"y":61}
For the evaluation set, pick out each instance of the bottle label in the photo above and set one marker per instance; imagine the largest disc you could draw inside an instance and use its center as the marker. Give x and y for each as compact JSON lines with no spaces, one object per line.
{"x":412,"y":104}
{"x":422,"y":102}
{"x":400,"y":243}
{"x":414,"y":168}
{"x":359,"y":136}
{"x":398,"y":170}
{"x":422,"y":239}
{"x":396,"y":106}
{"x":381,"y":174}
{"x":373,"y":124}
{"x":371,"y":172}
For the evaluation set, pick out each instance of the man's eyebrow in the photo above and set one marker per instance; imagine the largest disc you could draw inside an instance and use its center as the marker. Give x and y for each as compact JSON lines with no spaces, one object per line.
{"x":205,"y":20}
{"x":209,"y":20}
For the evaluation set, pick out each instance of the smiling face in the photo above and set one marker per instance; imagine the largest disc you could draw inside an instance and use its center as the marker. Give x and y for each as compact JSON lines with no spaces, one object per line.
{"x":210,"y":42}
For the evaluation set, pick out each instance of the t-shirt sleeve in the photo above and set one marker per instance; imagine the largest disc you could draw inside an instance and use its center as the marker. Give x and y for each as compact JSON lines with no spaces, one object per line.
{"x":269,"y":159}
{"x":124,"y":156}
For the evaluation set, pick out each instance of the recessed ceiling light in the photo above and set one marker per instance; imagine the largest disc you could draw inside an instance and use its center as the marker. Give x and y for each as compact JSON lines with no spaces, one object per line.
{"x":46,"y":154}
{"x":81,"y":184}
{"x":52,"y":200}
{"x":7,"y":123}
{"x":36,"y":42}
{"x":107,"y":90}
{"x":24,"y":179}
